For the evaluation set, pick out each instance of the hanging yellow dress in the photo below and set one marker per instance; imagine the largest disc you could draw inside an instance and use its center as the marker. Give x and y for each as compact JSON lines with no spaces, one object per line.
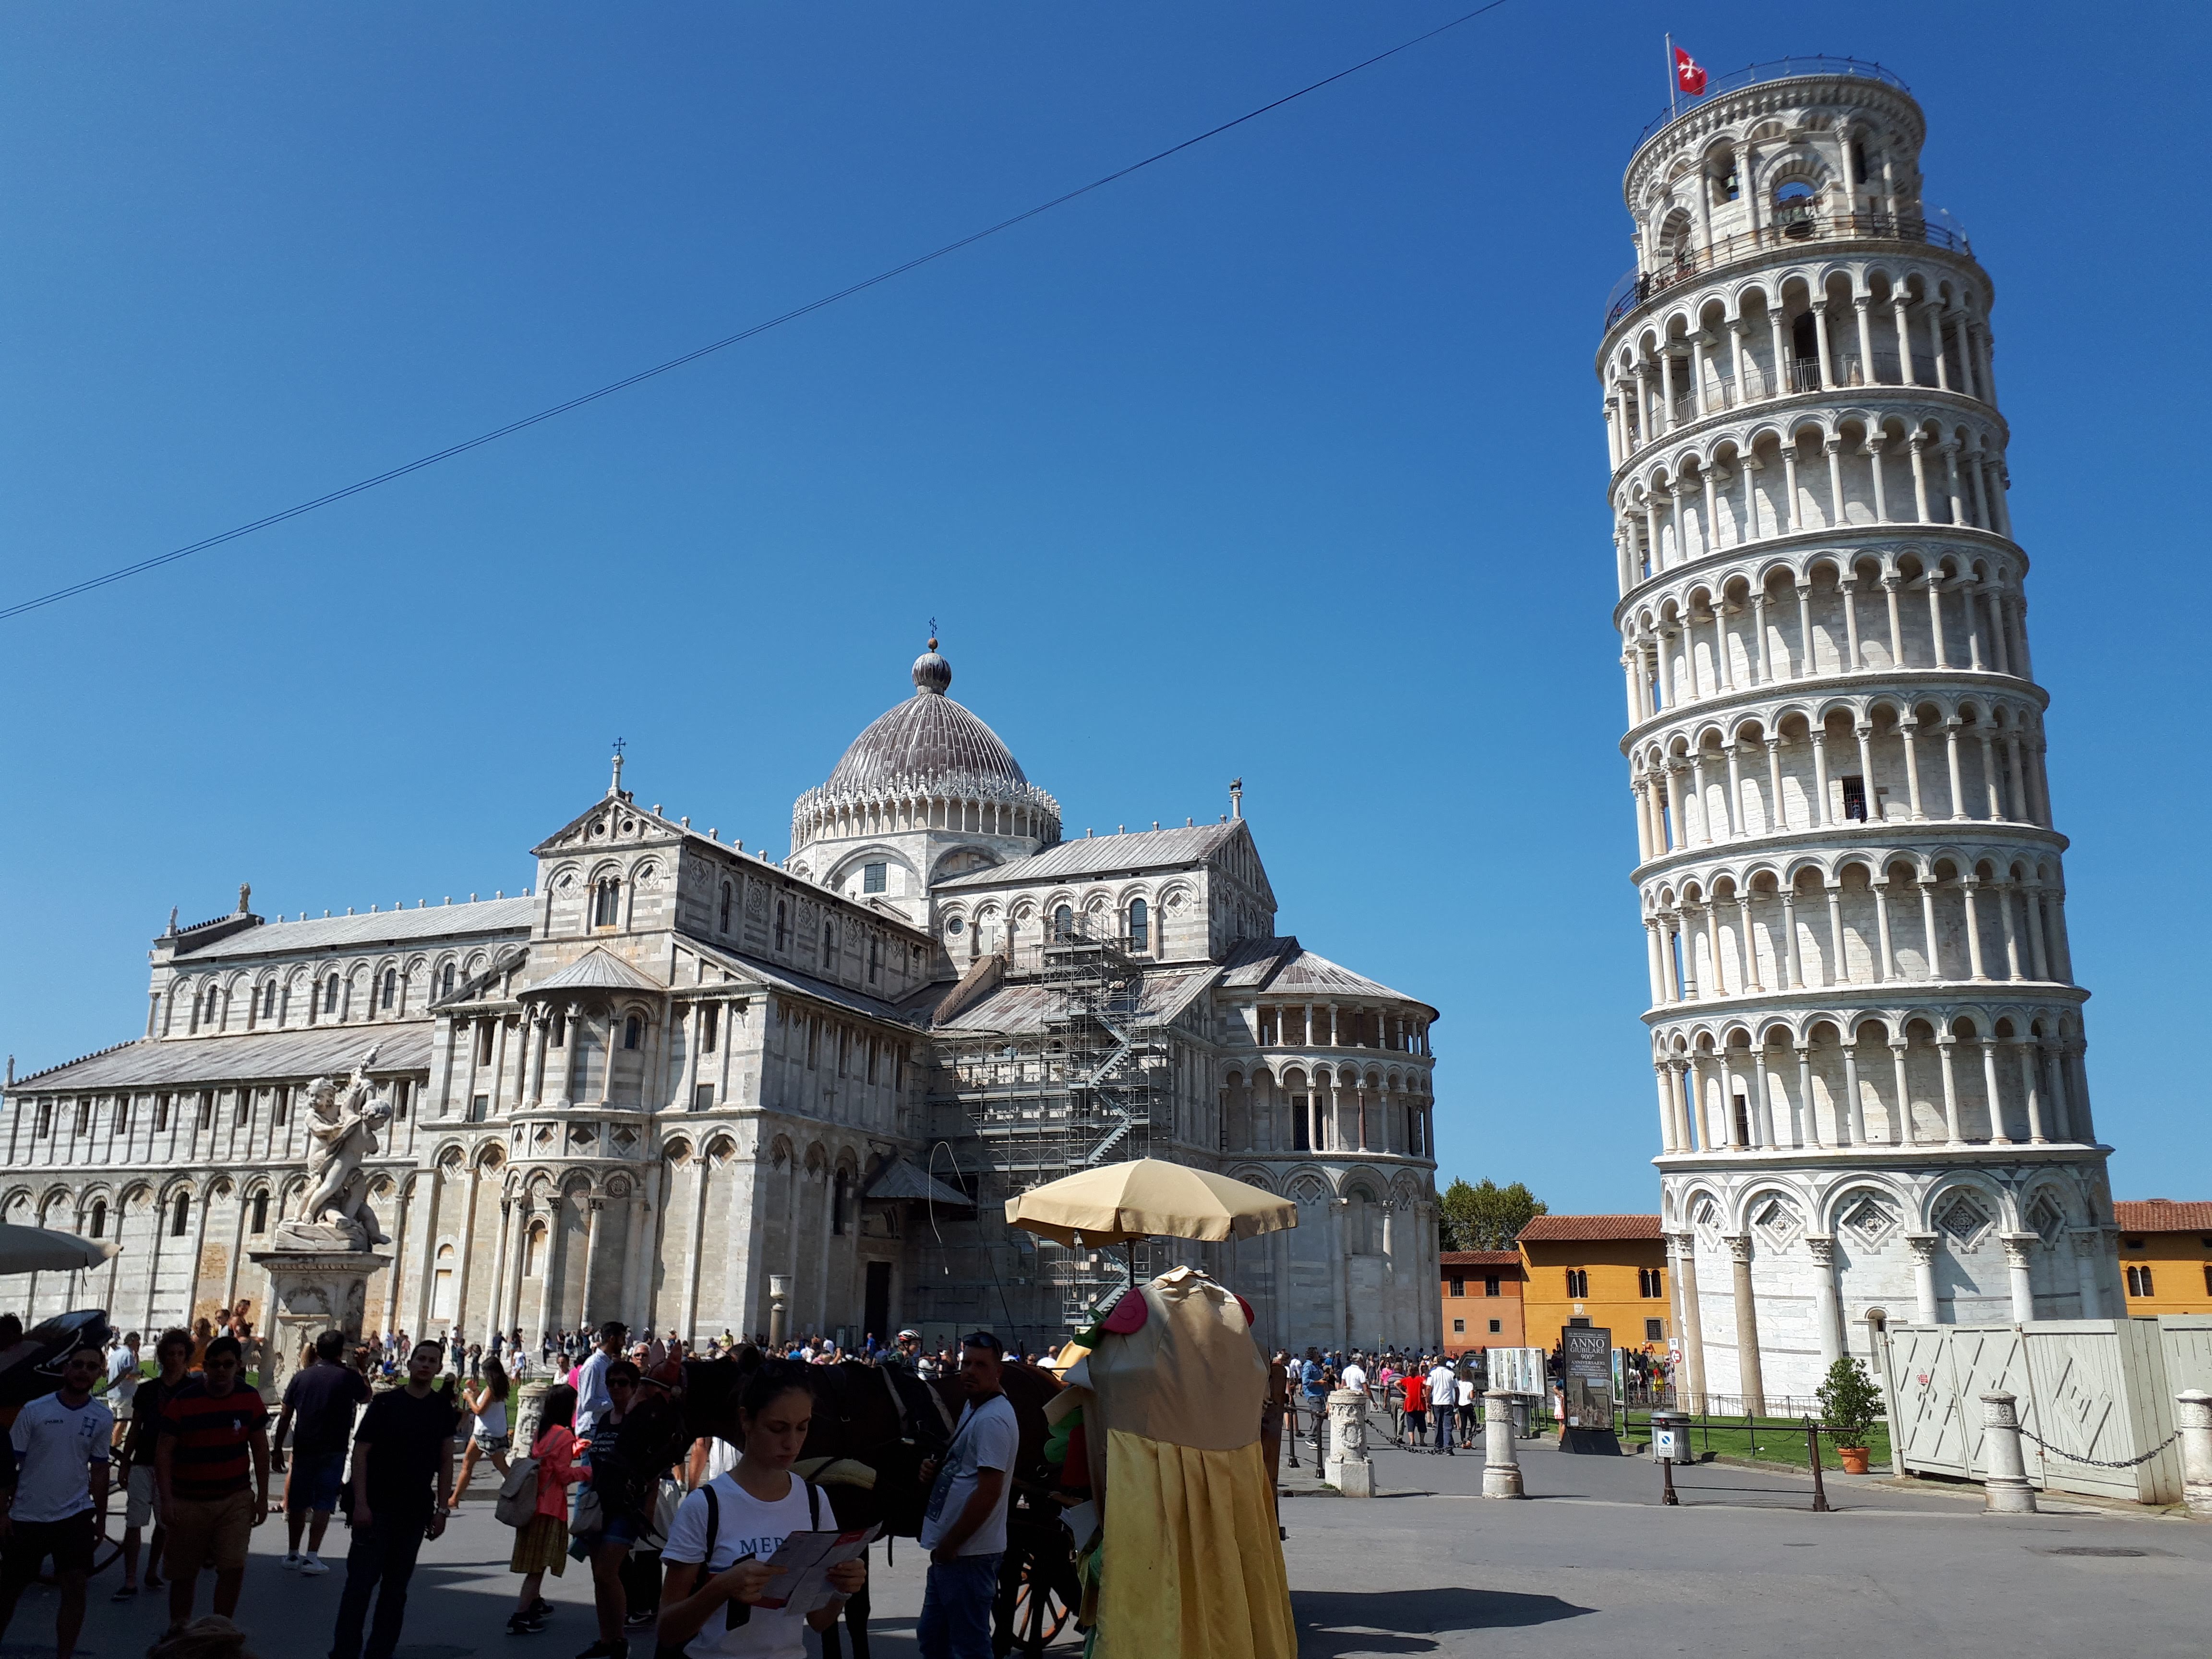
{"x":1191,"y":1564}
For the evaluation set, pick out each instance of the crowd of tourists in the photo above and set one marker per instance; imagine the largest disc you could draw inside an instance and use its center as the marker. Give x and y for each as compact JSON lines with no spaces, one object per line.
{"x":1427,"y":1399}
{"x":390,"y":1435}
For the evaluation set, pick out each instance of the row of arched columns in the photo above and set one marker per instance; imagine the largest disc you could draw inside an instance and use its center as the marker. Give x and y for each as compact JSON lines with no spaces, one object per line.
{"x":1767,"y":485}
{"x":990,"y":808}
{"x":1846,"y":614}
{"x":1326,"y":1110}
{"x":1658,"y":388}
{"x":1944,"y":1085}
{"x":1708,"y":796}
{"x":1885,"y":923}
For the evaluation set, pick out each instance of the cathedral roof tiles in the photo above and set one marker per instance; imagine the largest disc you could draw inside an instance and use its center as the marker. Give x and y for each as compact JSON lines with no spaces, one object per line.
{"x":248,"y":1057}
{"x":1026,"y":1005}
{"x":1096,"y":855}
{"x":379,"y":927}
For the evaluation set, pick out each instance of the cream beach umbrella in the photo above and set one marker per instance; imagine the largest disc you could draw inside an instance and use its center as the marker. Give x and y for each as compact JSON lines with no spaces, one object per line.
{"x":41,"y":1250}
{"x":1146,"y":1198}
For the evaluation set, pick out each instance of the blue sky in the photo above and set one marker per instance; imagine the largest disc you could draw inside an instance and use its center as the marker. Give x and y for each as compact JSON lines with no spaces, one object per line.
{"x":1281,"y":460}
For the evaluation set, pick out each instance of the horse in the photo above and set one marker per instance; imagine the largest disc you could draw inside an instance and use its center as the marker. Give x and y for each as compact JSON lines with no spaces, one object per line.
{"x":874,"y":1428}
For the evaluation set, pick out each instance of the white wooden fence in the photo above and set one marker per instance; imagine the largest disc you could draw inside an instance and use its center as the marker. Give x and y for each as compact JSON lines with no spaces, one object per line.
{"x":2091,"y":1393}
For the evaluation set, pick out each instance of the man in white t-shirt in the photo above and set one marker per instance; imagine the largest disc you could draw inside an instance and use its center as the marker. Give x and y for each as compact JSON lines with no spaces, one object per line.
{"x":1354,"y":1377}
{"x":57,"y":1501}
{"x":964,"y":1527}
{"x":1443,"y":1396}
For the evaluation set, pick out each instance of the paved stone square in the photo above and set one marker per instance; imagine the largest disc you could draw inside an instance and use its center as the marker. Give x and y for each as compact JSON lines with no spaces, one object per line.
{"x":1590,"y":1564}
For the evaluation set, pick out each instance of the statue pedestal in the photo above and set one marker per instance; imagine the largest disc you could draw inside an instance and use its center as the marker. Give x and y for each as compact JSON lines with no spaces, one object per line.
{"x":310,"y":1292}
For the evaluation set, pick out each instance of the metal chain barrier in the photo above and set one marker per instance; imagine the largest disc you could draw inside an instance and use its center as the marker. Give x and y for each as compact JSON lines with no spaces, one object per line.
{"x":2099,"y":1462}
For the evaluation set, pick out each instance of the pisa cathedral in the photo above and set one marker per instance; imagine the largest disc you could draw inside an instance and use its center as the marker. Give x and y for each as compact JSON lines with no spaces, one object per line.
{"x":683,"y":1085}
{"x":1864,"y":1026}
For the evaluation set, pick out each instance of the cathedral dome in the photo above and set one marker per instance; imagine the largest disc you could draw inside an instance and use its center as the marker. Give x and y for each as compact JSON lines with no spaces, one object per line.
{"x":928,"y":739}
{"x":927,"y":763}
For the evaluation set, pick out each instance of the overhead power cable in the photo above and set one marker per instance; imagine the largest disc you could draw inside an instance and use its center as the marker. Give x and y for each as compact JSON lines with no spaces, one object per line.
{"x":447,"y":453}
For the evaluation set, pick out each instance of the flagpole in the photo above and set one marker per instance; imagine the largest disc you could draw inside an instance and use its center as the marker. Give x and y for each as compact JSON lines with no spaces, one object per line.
{"x":1671,"y":76}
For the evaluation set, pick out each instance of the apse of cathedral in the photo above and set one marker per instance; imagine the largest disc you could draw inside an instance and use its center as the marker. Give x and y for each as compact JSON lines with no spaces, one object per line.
{"x":680,"y":1084}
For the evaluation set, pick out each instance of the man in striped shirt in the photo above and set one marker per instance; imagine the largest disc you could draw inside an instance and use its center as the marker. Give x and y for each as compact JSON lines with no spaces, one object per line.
{"x":212,"y":1429}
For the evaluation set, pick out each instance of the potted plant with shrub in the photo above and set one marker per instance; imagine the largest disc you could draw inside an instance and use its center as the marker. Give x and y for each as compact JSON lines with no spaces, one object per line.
{"x":1849,"y":1404}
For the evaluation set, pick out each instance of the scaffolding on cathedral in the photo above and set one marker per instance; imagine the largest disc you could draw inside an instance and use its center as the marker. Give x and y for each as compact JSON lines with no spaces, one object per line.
{"x":1080,"y":1085}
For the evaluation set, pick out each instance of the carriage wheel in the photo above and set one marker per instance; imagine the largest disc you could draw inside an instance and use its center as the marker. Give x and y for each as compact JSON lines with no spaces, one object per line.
{"x":106,"y":1553}
{"x":1045,"y":1597}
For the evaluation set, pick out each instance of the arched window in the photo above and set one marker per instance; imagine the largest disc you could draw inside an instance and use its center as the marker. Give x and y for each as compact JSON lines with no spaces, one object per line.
{"x":391,"y":989}
{"x":606,"y":908}
{"x":726,"y":896}
{"x":261,"y":1212}
{"x":782,"y":925}
{"x":269,"y":1001}
{"x":99,"y":1219}
{"x":331,"y":994}
{"x":182,"y":1222}
{"x":1140,"y":926}
{"x":1063,"y":923}
{"x":829,"y":948}
{"x":446,"y":981}
{"x":875,"y":960}
{"x":633,"y":1029}
{"x":840,"y":1195}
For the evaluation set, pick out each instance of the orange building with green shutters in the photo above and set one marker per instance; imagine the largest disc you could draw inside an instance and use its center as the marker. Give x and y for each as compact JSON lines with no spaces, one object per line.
{"x":1604,"y":1270}
{"x":2165,"y":1255}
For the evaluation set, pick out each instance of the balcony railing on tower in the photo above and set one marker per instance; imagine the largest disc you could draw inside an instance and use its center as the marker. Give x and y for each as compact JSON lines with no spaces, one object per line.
{"x":1793,"y":224}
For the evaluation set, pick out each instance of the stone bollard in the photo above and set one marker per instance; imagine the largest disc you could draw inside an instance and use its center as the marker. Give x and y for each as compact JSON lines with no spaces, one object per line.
{"x":2193,"y":1417}
{"x":2006,"y":1483}
{"x":1349,"y":1469}
{"x":1501,"y":1462}
{"x":529,"y":1406}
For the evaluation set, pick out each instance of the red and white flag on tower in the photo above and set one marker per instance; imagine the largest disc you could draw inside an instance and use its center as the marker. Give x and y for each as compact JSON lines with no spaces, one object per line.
{"x":1687,"y":76}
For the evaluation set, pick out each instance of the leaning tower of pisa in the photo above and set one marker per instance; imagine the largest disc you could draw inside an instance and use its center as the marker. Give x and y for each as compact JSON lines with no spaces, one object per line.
{"x":1865,"y":1024}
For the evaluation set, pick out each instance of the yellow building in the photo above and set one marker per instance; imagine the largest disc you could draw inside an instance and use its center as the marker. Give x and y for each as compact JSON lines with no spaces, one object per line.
{"x":1603,"y":1270}
{"x":2165,"y":1255}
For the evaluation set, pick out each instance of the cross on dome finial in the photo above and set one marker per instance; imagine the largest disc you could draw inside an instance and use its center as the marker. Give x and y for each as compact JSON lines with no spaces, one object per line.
{"x":613,"y":787}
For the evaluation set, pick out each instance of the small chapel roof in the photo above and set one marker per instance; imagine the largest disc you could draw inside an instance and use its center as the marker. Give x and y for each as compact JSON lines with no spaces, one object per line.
{"x":1091,"y":855}
{"x":393,"y":926}
{"x":1286,"y":967}
{"x":902,"y":1178}
{"x":598,"y":970}
{"x":245,"y":1057}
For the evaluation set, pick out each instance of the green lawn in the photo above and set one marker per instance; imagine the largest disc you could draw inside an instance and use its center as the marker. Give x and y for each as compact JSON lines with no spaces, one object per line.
{"x":1775,"y":1440}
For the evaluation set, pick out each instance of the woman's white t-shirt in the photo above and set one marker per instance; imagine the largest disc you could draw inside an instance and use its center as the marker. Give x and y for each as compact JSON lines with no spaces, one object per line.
{"x":744,"y":1526}
{"x":491,"y":1421}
